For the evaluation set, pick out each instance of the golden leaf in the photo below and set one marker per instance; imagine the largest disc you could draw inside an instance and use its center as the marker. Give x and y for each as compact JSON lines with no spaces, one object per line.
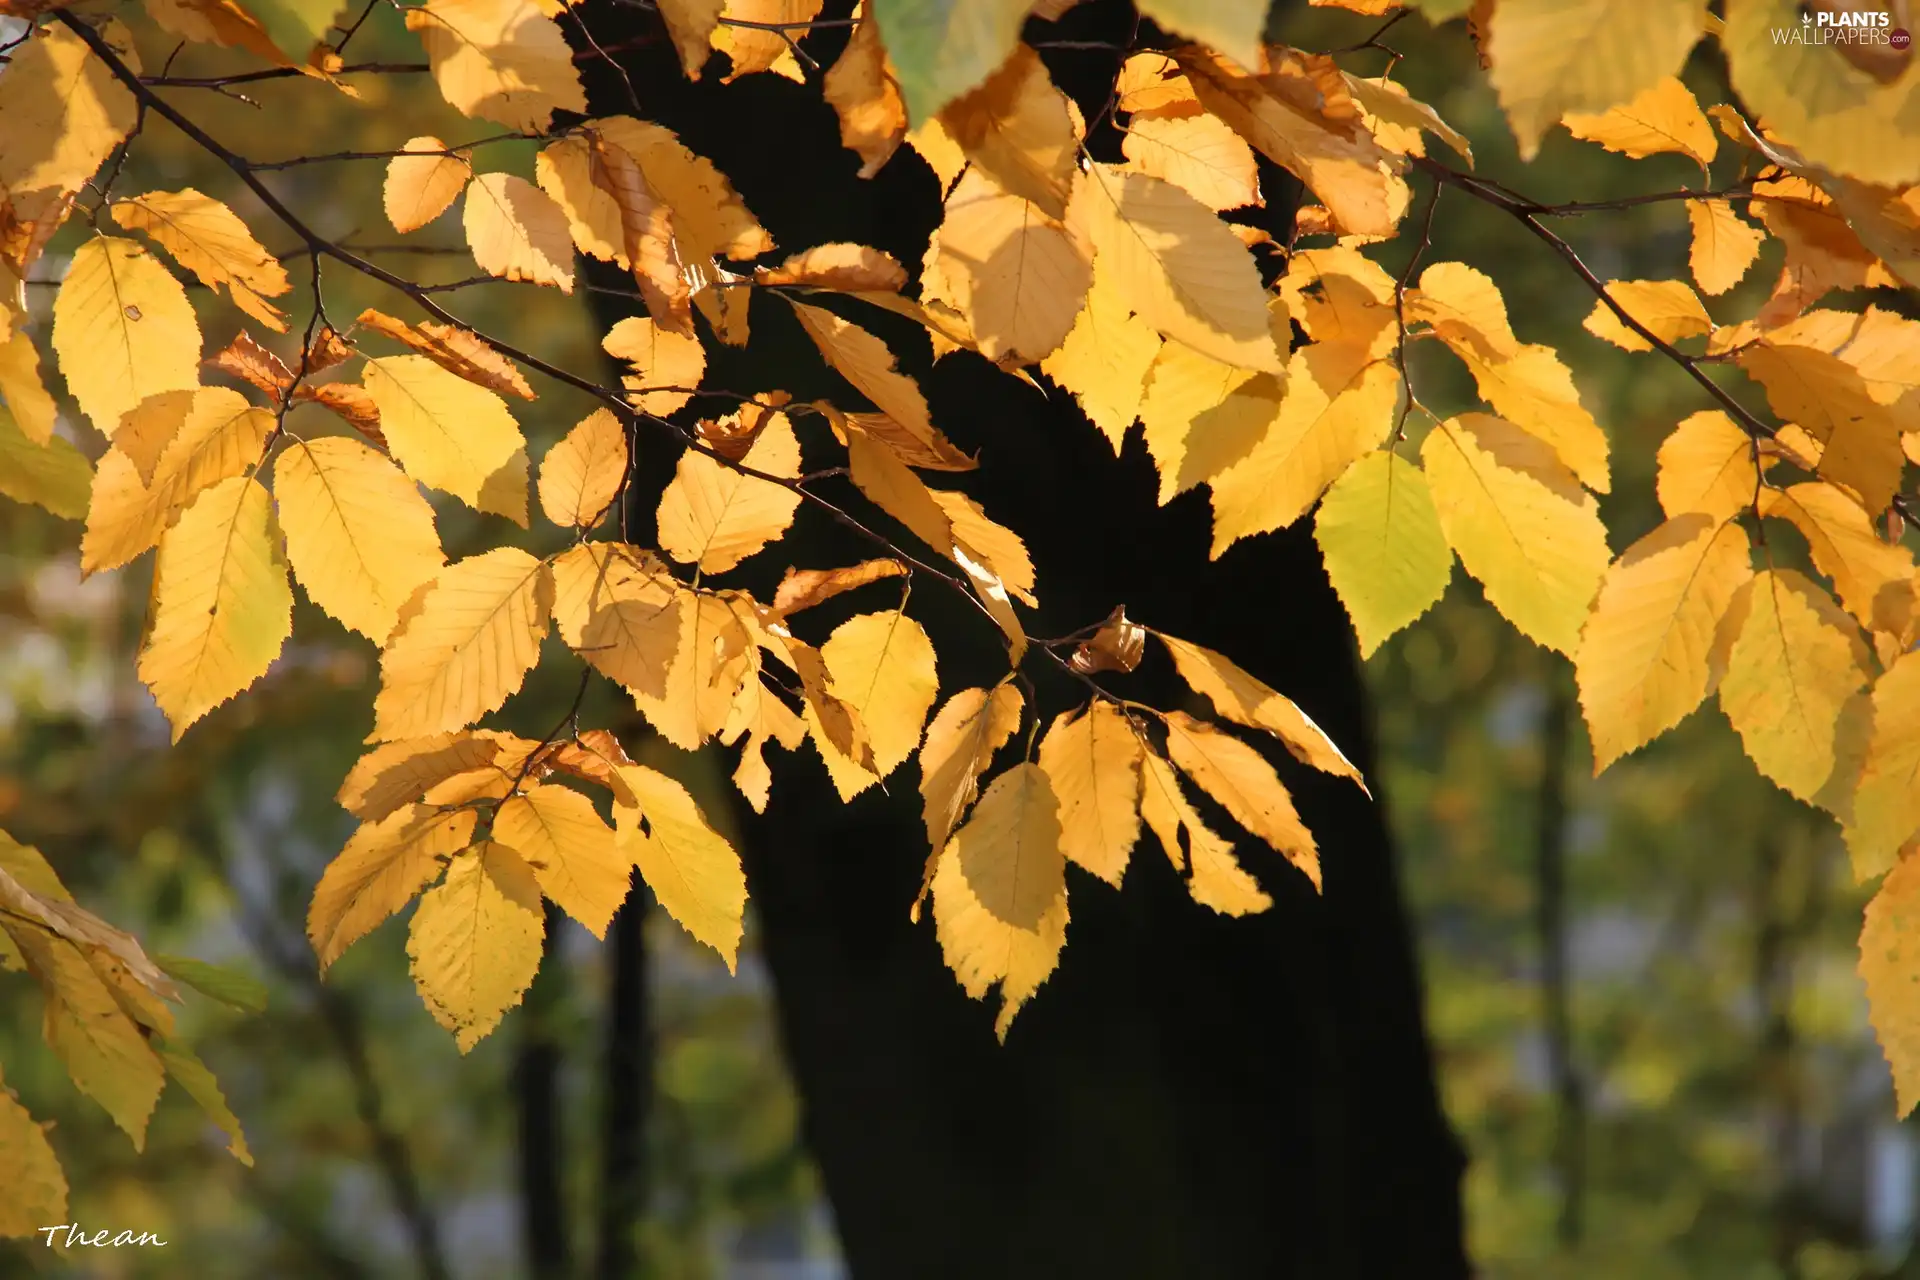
{"x":384,"y":865}
{"x":1017,"y":274}
{"x":805,"y":588}
{"x":1645,"y":658}
{"x":998,"y":548}
{"x":421,"y":187}
{"x":864,"y":361}
{"x":1118,"y":645}
{"x":889,"y":484}
{"x":754,"y":49}
{"x":210,"y":240}
{"x":882,"y":666}
{"x":1886,"y":808}
{"x":360,"y":536}
{"x":65,"y":114}
{"x":584,"y":472}
{"x":384,"y":779}
{"x":1667,"y":308}
{"x":1232,"y":26}
{"x":1105,"y":357}
{"x":500,"y":60}
{"x":1092,"y":761}
{"x":474,"y":637}
{"x":224,"y":603}
{"x":37,"y":1189}
{"x":691,"y":24}
{"x":22,"y":388}
{"x":709,"y":217}
{"x":475,"y":941}
{"x":1246,"y":786}
{"x":517,"y":232}
{"x":104,"y":1049}
{"x":837,"y":266}
{"x":864,"y":94}
{"x":1017,"y":129}
{"x":54,"y":475}
{"x":1399,"y":120}
{"x":620,"y":609}
{"x":959,"y":744}
{"x":1245,"y":700}
{"x":1199,"y":154}
{"x":1724,"y":244}
{"x":668,"y":366}
{"x":1000,"y":892}
{"x":1887,"y":959}
{"x":1385,"y":554}
{"x":712,"y":516}
{"x":1201,"y":417}
{"x":1707,"y":465}
{"x":1177,"y":266}
{"x":1662,"y":118}
{"x":123,"y":329}
{"x":450,"y":434}
{"x":460,"y":352}
{"x":692,"y":870}
{"x":1873,"y":578}
{"x":573,"y":853}
{"x":1151,"y":84}
{"x":648,"y":243}
{"x":1827,"y":396}
{"x":1214,"y":876}
{"x":221,"y":437}
{"x":1520,"y":523}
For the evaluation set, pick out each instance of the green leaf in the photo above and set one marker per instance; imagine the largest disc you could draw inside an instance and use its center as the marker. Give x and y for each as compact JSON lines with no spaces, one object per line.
{"x":228,"y":986}
{"x":1385,"y":552}
{"x":942,"y":48}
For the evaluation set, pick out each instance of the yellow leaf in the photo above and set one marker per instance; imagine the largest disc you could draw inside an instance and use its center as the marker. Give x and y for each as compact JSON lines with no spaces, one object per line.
{"x":22,"y":388}
{"x":450,"y":434}
{"x":419,"y":188}
{"x":500,"y":60}
{"x":123,"y":329}
{"x":1344,"y":301}
{"x":1201,"y":417}
{"x":668,"y":366}
{"x":1791,"y":685}
{"x":1399,"y":119}
{"x":1214,"y":876}
{"x":54,"y":475}
{"x":959,"y":744}
{"x":864,"y":361}
{"x":224,"y":603}
{"x":208,"y":239}
{"x":691,"y":24}
{"x":1092,"y":761}
{"x":459,"y":351}
{"x":1724,"y":244}
{"x":648,"y":243}
{"x":1179,"y":267}
{"x":1525,"y":383}
{"x":714,"y":517}
{"x":64,"y":110}
{"x":360,"y":536}
{"x":584,"y":472}
{"x":1551,"y":57}
{"x":475,"y":941}
{"x":1707,"y":465}
{"x":475,"y":636}
{"x":690,"y":867}
{"x":756,"y":48}
{"x":103,"y":1048}
{"x":1886,"y":808}
{"x":1245,"y":785}
{"x":709,"y":665}
{"x":573,"y":853}
{"x":1000,"y":892}
{"x":222,"y":436}
{"x":1827,"y":396}
{"x":621,"y":610}
{"x":1520,"y":524}
{"x":36,"y":1188}
{"x":387,"y":777}
{"x":1663,"y":117}
{"x":385,"y":863}
{"x":1104,"y":358}
{"x":1017,"y":130}
{"x":804,"y":588}
{"x":1333,"y":414}
{"x":889,"y":484}
{"x":1668,"y":308}
{"x":1301,"y":115}
{"x":864,"y":94}
{"x":1812,"y":96}
{"x":1873,"y":578}
{"x":709,"y":217}
{"x":1645,"y":656}
{"x":1888,"y":956}
{"x":837,"y":266}
{"x":517,"y":232}
{"x":882,"y":666}
{"x":1018,"y":275}
{"x":998,"y":548}
{"x":193,"y":1077}
{"x":1385,"y":554}
{"x":150,"y":426}
{"x":1243,"y":699}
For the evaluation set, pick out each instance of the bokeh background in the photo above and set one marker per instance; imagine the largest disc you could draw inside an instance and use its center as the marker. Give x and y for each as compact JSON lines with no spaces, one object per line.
{"x":1641,"y":988}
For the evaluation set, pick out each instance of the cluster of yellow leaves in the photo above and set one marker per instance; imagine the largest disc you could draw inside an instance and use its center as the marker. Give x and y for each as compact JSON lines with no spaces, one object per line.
{"x":107,"y":1019}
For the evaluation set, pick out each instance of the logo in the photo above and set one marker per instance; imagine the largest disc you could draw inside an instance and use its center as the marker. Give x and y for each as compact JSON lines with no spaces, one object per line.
{"x":1851,"y":27}
{"x":1899,"y":38}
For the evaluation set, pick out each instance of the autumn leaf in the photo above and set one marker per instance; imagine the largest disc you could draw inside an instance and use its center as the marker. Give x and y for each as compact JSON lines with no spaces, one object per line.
{"x":1017,"y":274}
{"x":1886,"y":808}
{"x":450,"y":434}
{"x":1000,"y":892}
{"x":1018,"y":133}
{"x":709,"y":217}
{"x":54,"y":475}
{"x":59,"y":94}
{"x":1887,"y":961}
{"x":1214,"y":876}
{"x":475,"y":941}
{"x":668,"y":366}
{"x":1707,"y":465}
{"x":1519,"y":523}
{"x":1092,"y":762}
{"x":714,"y":516}
{"x":1385,"y":553}
{"x":837,"y":266}
{"x":584,"y":472}
{"x":23,"y":390}
{"x":387,"y":777}
{"x":384,"y":865}
{"x":621,"y":610}
{"x":1246,"y":787}
{"x":1724,"y":244}
{"x":517,"y":232}
{"x":123,"y":329}
{"x":804,"y":588}
{"x":862,"y":90}
{"x":693,"y":872}
{"x":475,"y":635}
{"x":882,"y":666}
{"x":38,"y":1188}
{"x":459,"y":351}
{"x":959,"y":744}
{"x":501,"y":60}
{"x":1104,"y":358}
{"x":224,"y":603}
{"x":572,"y":851}
{"x":1873,"y":578}
{"x":1662,"y":118}
{"x":421,"y":187}
{"x":1827,"y":396}
{"x":865,"y":362}
{"x":754,"y":49}
{"x":1667,"y":308}
{"x":359,"y":535}
{"x":691,"y":24}
{"x":210,"y":240}
{"x":1644,"y":661}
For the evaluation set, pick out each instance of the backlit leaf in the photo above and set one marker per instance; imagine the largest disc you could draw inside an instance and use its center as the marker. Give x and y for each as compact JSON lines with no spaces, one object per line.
{"x":450,"y":434}
{"x":863,"y":92}
{"x":1724,"y":244}
{"x":1017,"y":131}
{"x":1017,"y":274}
{"x":500,"y":60}
{"x":572,"y":852}
{"x":668,"y":366}
{"x":1662,"y":118}
{"x":1104,"y":358}
{"x":1201,"y":417}
{"x":1886,"y":808}
{"x":1889,"y":955}
{"x":517,"y":232}
{"x":581,"y":475}
{"x":882,"y":666}
{"x":1385,"y":553}
{"x":458,"y":351}
{"x":1707,"y":465}
{"x":1214,"y":876}
{"x":1246,"y":786}
{"x":714,"y":517}
{"x":1668,"y":308}
{"x":37,"y":1189}
{"x":22,"y":389}
{"x":692,"y":870}
{"x":475,"y":941}
{"x":419,"y":188}
{"x":210,"y":240}
{"x":384,"y":865}
{"x":1092,"y":761}
{"x":54,"y":475}
{"x":123,"y":329}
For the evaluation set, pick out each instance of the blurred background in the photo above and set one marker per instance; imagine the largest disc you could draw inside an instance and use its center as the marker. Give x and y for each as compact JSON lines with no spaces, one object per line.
{"x":1641,"y":988}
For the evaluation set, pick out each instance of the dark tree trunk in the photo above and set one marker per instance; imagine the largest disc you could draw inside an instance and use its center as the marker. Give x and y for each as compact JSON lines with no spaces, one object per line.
{"x":1189,"y":1095}
{"x":536,"y":1082}
{"x":626,"y":1093}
